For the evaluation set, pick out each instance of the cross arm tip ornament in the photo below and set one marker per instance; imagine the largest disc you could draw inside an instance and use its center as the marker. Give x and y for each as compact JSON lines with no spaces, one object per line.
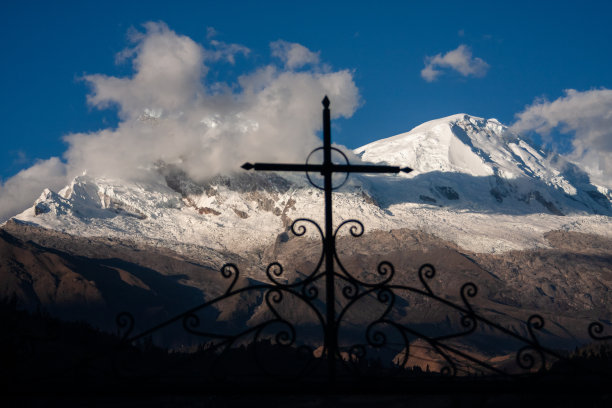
{"x":406,"y":170}
{"x":247,"y":166}
{"x":325,"y":102}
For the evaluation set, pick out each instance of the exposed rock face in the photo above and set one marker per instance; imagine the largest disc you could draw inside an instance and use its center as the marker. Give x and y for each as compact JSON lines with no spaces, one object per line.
{"x":482,"y":205}
{"x":95,"y":278}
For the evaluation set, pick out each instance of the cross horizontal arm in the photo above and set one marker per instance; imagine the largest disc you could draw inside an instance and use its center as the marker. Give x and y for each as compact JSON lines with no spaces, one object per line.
{"x":282,"y":167}
{"x":334,"y":168}
{"x":368,"y":168}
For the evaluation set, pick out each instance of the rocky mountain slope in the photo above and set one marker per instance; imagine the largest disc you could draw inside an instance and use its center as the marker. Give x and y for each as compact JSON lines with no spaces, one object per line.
{"x":482,"y":205}
{"x":475,"y":184}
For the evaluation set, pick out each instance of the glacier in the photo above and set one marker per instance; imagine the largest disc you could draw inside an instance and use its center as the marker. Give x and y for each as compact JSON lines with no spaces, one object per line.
{"x":475,"y":183}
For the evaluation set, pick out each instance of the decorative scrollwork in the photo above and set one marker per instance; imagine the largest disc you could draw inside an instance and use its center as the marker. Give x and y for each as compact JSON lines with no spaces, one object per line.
{"x":310,"y":291}
{"x":230,"y":270}
{"x":448,"y":370}
{"x":356,"y":228}
{"x":350,"y":290}
{"x":274,"y":296}
{"x":298,"y":228}
{"x":191,"y":321}
{"x":191,"y":324}
{"x":283,"y":337}
{"x":427,"y":271}
{"x":526,"y":360}
{"x":535,"y":322}
{"x":468,"y":290}
{"x":525,"y":356}
{"x":273,"y":271}
{"x":376,"y":337}
{"x":384,"y":269}
{"x":469,"y":322}
{"x":386,"y":297}
{"x":125,"y":324}
{"x":595,"y":331}
{"x":286,"y":338}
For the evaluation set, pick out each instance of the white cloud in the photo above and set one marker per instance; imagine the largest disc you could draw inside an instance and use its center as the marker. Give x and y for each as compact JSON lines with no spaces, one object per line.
{"x":459,"y":59}
{"x":227,"y":52}
{"x":169,"y":112}
{"x":293,"y":55}
{"x":588,"y":116}
{"x":20,"y":191}
{"x":223,"y":51}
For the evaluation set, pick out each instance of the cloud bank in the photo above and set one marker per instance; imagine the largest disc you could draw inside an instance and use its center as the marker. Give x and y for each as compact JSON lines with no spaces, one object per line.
{"x":22,"y":189}
{"x":459,"y":59}
{"x":588,"y":116}
{"x":169,"y":111}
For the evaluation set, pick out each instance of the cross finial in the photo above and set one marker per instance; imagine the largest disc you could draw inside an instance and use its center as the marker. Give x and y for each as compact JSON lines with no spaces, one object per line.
{"x":326,"y":102}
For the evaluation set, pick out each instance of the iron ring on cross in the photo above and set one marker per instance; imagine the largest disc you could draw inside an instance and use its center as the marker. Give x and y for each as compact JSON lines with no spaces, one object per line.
{"x":346,"y":174}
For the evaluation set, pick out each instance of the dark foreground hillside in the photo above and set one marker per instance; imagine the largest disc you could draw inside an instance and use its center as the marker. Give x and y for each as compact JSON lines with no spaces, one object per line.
{"x":49,"y":362}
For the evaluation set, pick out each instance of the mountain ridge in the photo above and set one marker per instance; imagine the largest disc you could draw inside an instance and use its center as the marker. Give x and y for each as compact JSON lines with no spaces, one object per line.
{"x":471,"y":172}
{"x":482,"y":205}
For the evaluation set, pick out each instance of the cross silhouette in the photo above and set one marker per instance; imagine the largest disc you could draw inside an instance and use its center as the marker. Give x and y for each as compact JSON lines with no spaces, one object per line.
{"x":327,"y":170}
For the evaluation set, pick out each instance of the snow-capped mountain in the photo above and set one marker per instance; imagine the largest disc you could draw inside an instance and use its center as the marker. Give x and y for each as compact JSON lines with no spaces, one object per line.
{"x":475,"y":183}
{"x":461,"y":145}
{"x":482,"y":205}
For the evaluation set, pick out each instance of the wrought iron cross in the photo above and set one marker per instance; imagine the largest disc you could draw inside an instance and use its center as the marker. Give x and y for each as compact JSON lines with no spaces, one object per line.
{"x":327,"y":170}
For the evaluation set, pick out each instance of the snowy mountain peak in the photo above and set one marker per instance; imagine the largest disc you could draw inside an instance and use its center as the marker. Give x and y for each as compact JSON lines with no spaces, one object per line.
{"x":476,"y":184}
{"x":458,"y":143}
{"x":469,"y":145}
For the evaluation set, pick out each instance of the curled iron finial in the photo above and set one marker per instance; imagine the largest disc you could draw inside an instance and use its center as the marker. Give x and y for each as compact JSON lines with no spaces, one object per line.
{"x":230,"y":270}
{"x":125,"y":324}
{"x":387,"y":270}
{"x":468,"y":289}
{"x":299,"y":229}
{"x":191,"y":321}
{"x":350,"y":290}
{"x":376,"y":337}
{"x":595,"y":331}
{"x":526,"y":360}
{"x":427,"y":271}
{"x":310,"y":291}
{"x":356,"y":228}
{"x":535,"y":322}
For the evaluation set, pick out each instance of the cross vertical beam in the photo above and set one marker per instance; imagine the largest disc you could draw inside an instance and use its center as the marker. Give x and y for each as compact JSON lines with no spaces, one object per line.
{"x":331,"y":334}
{"x":327,"y":170}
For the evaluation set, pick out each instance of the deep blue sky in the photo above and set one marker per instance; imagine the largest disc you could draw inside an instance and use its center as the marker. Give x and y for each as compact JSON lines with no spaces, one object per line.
{"x":533,"y":49}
